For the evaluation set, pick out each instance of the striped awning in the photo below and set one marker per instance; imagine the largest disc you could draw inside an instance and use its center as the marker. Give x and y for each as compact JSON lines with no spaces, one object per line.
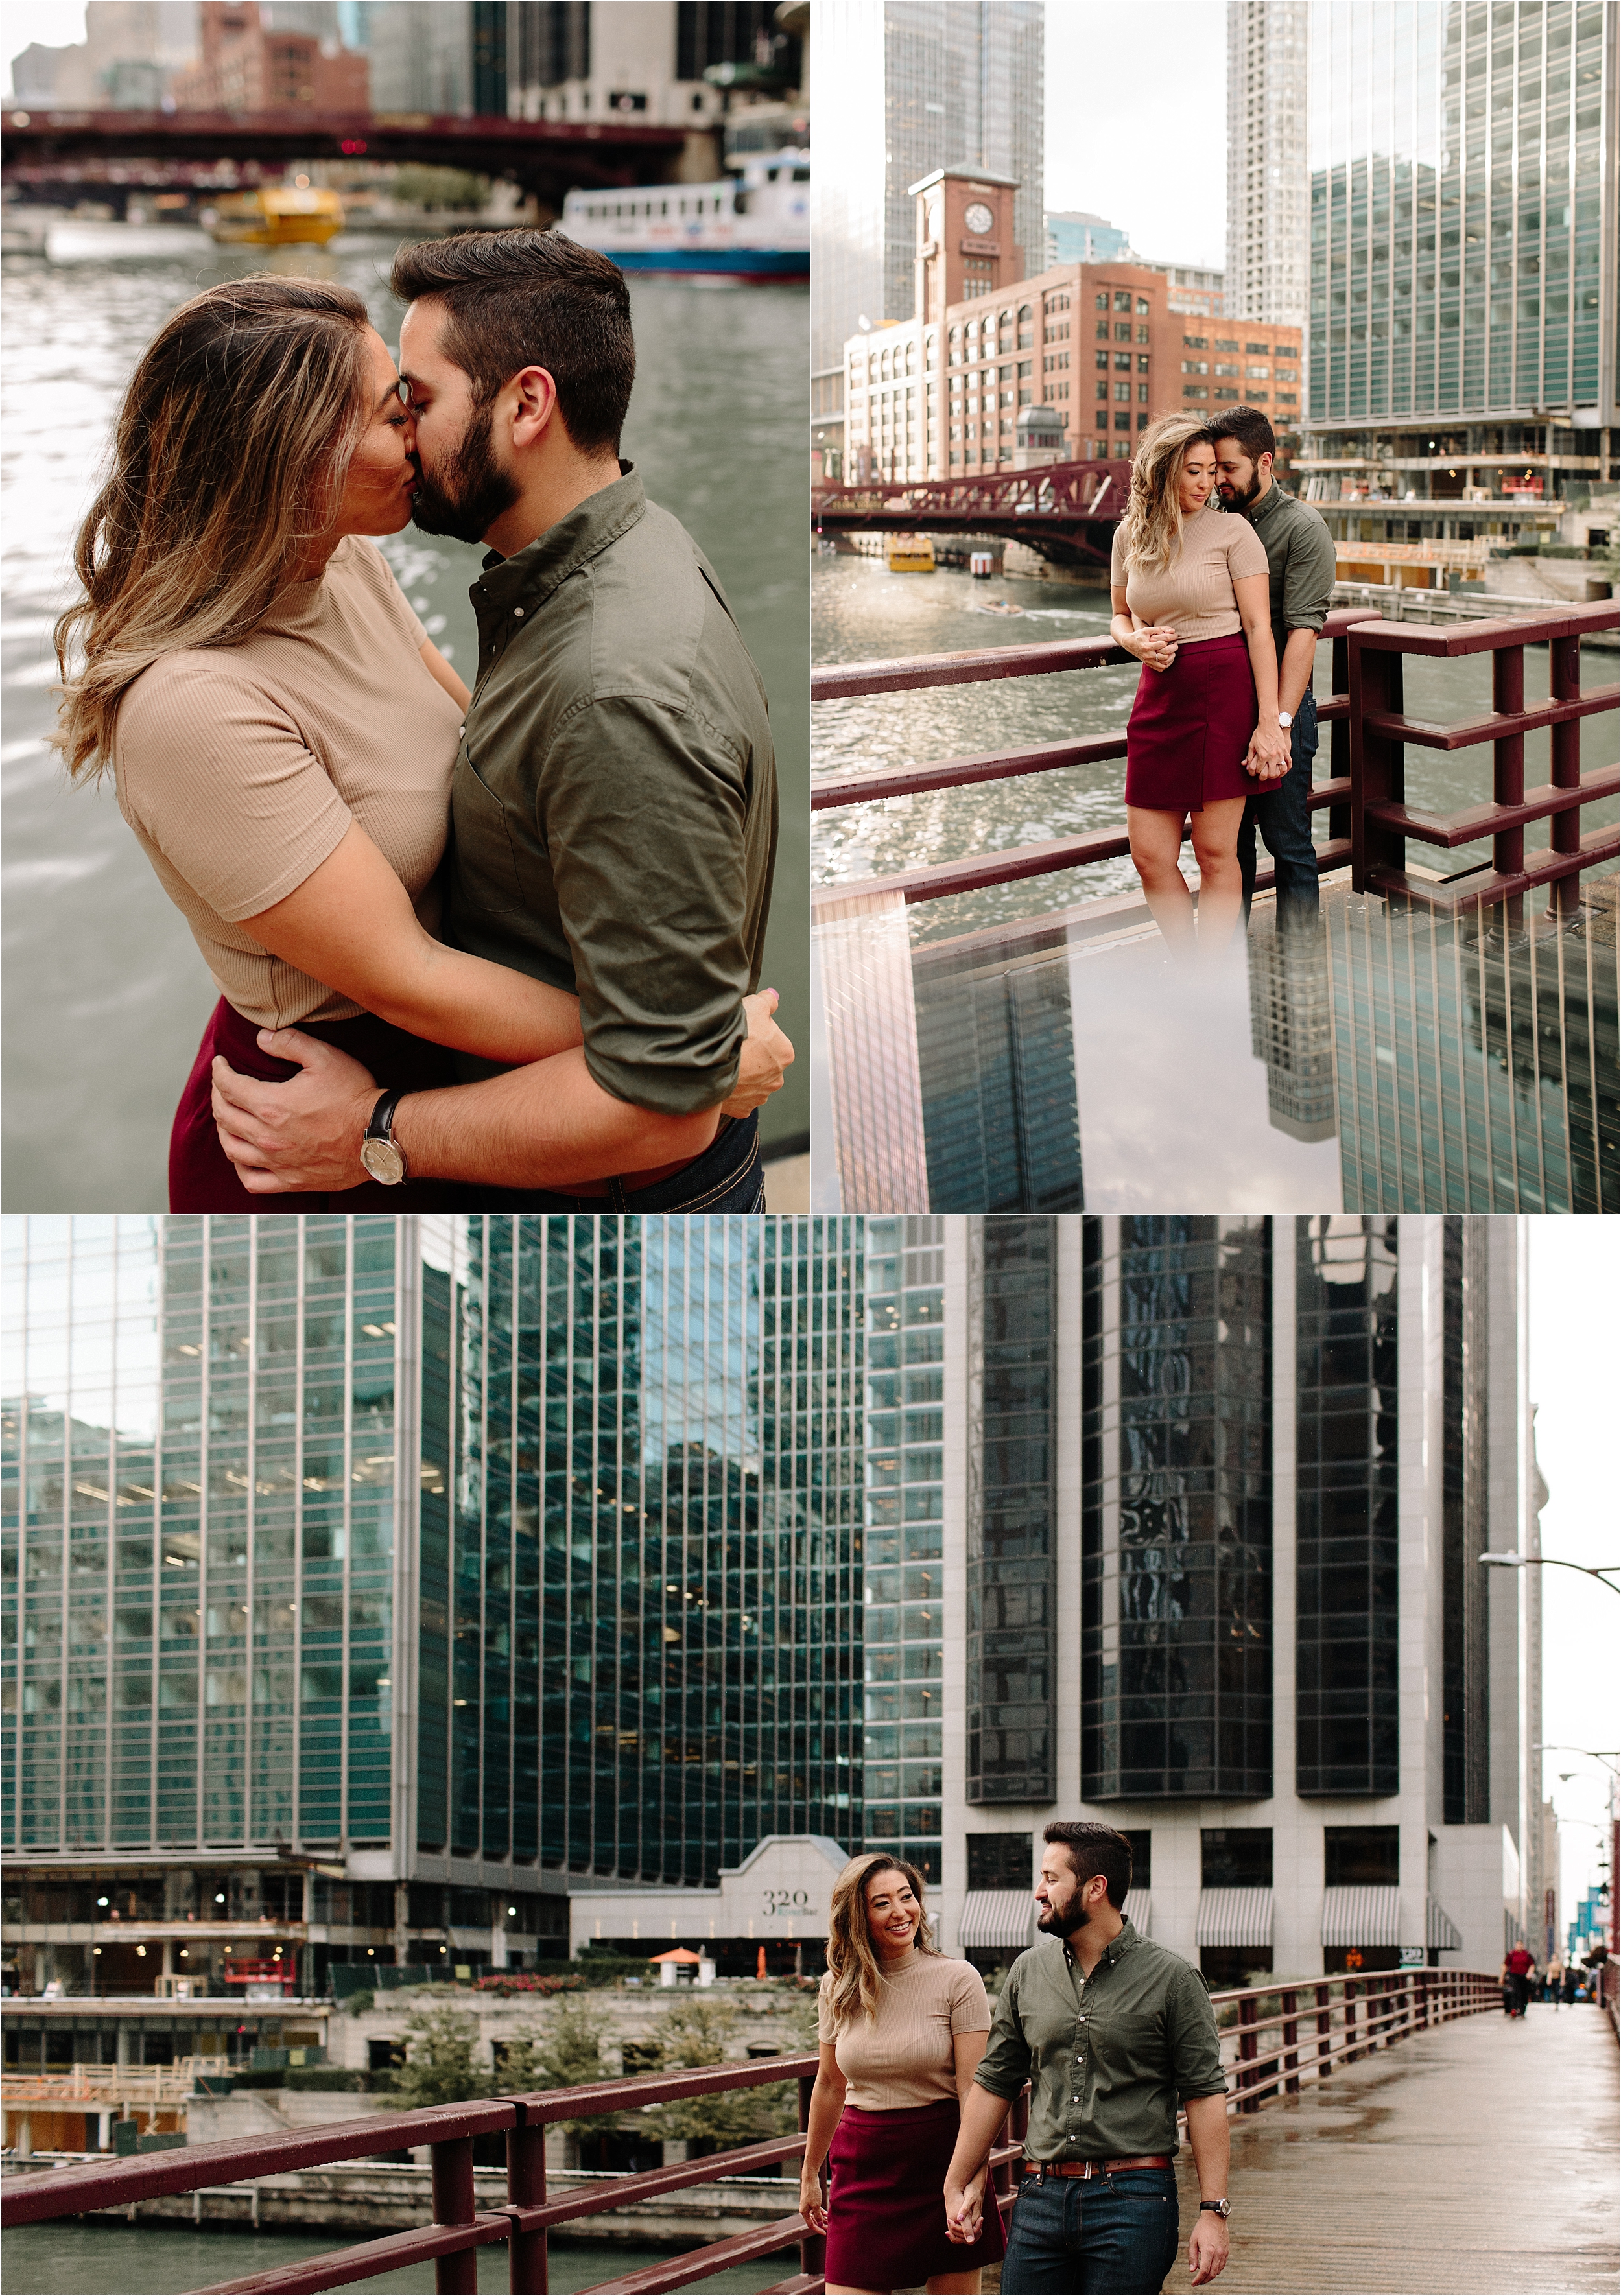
{"x":1440,"y":1929}
{"x":996,"y":1917}
{"x":1235,"y":1917}
{"x":1135,"y":1910}
{"x":1362,"y":1917}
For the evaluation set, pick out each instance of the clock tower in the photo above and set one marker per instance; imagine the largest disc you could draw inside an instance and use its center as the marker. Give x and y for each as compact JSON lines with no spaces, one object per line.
{"x":966,"y":246}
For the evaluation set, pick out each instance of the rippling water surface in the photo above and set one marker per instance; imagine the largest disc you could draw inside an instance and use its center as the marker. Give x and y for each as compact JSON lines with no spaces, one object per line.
{"x":105,"y":993}
{"x":860,"y":612}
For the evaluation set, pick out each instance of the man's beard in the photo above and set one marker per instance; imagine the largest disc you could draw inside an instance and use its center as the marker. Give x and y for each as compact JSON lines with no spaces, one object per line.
{"x":1241,"y":497}
{"x":1057,"y":1924}
{"x":473,"y":491}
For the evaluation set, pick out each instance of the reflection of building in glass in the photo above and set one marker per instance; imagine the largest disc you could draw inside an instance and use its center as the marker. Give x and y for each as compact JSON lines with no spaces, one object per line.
{"x":996,"y":1061}
{"x":1182,"y":1447}
{"x":1176,"y":1632}
{"x":472,"y":1557}
{"x":1476,"y":1069}
{"x":903,"y":1620}
{"x":1291,"y":1023}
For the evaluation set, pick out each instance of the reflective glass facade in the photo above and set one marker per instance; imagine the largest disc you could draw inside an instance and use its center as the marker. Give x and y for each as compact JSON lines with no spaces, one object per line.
{"x":1011,"y":1525}
{"x":996,"y":1060}
{"x":1460,"y":189}
{"x":567,"y":1510}
{"x":1466,"y":1660}
{"x":1347,"y":1730}
{"x":903,"y":1624}
{"x":1176,"y":1508}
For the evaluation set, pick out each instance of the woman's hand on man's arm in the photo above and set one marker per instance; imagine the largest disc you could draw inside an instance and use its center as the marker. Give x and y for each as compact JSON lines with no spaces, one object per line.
{"x":766,"y":1055}
{"x":351,"y":924}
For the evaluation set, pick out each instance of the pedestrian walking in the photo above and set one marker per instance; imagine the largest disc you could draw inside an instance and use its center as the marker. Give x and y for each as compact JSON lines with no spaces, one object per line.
{"x":1554,"y":1982}
{"x":1111,"y":2031}
{"x":901,"y":2029}
{"x":1573,"y":1978}
{"x":1517,"y":1968}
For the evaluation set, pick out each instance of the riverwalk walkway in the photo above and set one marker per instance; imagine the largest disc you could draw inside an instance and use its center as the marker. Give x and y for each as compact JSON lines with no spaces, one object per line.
{"x":1477,"y":2156}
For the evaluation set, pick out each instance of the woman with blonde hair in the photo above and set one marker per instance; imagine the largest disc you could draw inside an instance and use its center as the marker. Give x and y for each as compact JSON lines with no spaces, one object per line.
{"x":1188,"y":590}
{"x":281,"y":729}
{"x":900,"y":2030}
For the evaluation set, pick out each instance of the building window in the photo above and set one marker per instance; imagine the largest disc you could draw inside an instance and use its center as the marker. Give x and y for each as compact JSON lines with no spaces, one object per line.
{"x":1195,"y":343}
{"x":1196,"y":367}
{"x":1142,"y":393}
{"x":1122,"y":300}
{"x":1142,"y":362}
{"x":1195,"y":390}
{"x":1103,"y":330}
{"x":1142,"y":420}
{"x":1122,"y":332}
{"x":1103,"y":303}
{"x":1123,"y":421}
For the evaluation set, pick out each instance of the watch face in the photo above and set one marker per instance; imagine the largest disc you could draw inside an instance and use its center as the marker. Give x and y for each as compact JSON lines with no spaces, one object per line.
{"x":979,"y":219}
{"x":383,"y":1162}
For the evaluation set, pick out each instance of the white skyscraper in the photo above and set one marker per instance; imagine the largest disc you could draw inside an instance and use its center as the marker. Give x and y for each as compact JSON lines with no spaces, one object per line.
{"x":1268,"y":195}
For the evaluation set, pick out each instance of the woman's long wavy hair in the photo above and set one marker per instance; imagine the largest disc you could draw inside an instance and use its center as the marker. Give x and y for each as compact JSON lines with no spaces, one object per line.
{"x":229,"y":457}
{"x":852,"y":1962}
{"x":1153,"y":523}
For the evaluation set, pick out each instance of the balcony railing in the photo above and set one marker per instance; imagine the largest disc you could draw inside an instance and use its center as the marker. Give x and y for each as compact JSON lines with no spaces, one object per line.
{"x":1364,"y":793}
{"x":1308,"y":2030}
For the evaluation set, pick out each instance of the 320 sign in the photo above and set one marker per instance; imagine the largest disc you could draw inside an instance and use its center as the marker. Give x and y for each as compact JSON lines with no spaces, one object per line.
{"x":786,"y":1901}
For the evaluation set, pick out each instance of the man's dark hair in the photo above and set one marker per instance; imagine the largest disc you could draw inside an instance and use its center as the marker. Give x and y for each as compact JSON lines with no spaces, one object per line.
{"x":1095,"y":1849}
{"x":1248,"y":426}
{"x":518,"y":299}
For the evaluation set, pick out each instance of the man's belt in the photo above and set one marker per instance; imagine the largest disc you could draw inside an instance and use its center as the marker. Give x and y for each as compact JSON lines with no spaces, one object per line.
{"x":1086,"y":2170}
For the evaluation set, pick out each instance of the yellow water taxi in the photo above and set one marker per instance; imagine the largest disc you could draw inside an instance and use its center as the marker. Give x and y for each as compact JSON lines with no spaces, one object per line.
{"x":277,"y":215}
{"x":910,"y":553}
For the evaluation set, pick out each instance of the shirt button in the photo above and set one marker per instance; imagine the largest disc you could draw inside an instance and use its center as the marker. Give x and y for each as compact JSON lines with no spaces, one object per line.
{"x":518,"y":612}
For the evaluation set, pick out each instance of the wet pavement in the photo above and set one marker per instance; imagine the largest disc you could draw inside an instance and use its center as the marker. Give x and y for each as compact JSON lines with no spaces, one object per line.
{"x":1479,"y":2156}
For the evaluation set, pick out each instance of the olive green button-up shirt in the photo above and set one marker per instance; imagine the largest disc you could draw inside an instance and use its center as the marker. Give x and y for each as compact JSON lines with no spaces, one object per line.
{"x":1108,"y":2057}
{"x":613,"y":808}
{"x":1300,"y":562}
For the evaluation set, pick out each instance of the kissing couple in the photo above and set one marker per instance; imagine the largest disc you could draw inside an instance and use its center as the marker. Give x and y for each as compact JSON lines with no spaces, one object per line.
{"x":487,"y":950}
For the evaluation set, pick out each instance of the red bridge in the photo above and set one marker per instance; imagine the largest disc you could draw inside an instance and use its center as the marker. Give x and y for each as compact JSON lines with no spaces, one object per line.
{"x":546,"y":157}
{"x":1067,"y":512}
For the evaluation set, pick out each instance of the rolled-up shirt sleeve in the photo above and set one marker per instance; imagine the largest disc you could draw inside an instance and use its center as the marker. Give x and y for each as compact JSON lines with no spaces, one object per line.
{"x":1005,"y":2067}
{"x":1309,"y":576}
{"x":1195,"y":2045}
{"x":643,"y":810}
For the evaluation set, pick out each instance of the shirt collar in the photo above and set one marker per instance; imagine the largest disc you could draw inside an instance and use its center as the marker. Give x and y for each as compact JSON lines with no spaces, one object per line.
{"x":1268,"y":503}
{"x":532,"y":573}
{"x":1112,"y":1952}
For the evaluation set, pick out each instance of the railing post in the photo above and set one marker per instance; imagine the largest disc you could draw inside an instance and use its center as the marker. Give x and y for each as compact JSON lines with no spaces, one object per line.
{"x":1376,"y":772}
{"x":813,"y":2247}
{"x":453,"y":2204}
{"x":1351,"y":2051}
{"x":526,"y":2259}
{"x":1509,"y":769}
{"x":1291,"y":2036}
{"x":1565,"y":684}
{"x":1247,"y":2008}
{"x":1339,"y":738}
{"x":1325,"y":2032}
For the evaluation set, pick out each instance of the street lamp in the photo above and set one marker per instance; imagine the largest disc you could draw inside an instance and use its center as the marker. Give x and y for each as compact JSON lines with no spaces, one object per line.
{"x":1512,"y":1561}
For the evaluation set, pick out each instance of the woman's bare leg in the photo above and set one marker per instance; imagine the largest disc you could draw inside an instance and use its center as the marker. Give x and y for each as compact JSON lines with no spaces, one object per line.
{"x":1215,"y":846}
{"x":953,"y":2283}
{"x":1156,"y":841}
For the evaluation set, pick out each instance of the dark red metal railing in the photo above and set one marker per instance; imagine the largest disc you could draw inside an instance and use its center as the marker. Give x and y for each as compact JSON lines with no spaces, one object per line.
{"x":1391,"y":2006}
{"x":1363,"y":794}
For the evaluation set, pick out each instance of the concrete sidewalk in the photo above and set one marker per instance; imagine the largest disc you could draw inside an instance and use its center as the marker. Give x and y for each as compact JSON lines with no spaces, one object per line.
{"x":1480,"y":2156}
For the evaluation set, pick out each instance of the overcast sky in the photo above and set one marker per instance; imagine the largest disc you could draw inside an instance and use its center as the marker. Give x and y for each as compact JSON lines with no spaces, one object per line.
{"x":1137,"y":121}
{"x":1575,"y":1273}
{"x":53,"y":23}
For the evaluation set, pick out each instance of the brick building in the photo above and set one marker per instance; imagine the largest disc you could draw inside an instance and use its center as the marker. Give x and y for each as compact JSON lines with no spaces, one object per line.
{"x":245,"y":67}
{"x":939,"y":395}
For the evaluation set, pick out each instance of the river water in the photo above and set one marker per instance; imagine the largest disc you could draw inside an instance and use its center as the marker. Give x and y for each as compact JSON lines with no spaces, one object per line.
{"x":105,"y":993}
{"x":860,"y":612}
{"x":85,"y":2258}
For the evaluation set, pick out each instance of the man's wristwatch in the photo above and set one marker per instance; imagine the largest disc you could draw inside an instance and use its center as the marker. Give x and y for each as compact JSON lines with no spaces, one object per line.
{"x":380,"y":1151}
{"x":1285,"y":719}
{"x":1222,"y":2209}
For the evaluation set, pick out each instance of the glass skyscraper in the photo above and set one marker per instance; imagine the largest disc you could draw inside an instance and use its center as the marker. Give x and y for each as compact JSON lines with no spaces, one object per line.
{"x":1464,"y":244}
{"x":473,"y":1554}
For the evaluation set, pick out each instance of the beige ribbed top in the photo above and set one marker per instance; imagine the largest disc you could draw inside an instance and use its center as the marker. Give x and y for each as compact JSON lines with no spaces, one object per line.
{"x":239,"y":768}
{"x":1195,"y":596}
{"x":908,"y":2058}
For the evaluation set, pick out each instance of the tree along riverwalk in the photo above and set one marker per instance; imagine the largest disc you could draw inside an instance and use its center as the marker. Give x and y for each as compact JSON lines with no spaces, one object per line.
{"x":1477,"y":2155}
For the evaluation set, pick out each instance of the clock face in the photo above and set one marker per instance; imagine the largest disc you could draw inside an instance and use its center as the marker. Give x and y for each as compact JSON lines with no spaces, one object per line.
{"x":979,"y":219}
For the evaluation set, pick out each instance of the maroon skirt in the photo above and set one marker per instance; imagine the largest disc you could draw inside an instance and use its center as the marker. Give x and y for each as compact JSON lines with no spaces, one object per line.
{"x":887,"y":2224}
{"x":1189,"y":727}
{"x":202,"y":1178}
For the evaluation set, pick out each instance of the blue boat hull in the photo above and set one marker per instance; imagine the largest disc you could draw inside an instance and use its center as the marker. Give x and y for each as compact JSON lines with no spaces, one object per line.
{"x":730,"y":262}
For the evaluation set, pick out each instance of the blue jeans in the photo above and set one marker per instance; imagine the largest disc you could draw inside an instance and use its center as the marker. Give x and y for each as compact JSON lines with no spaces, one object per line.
{"x":1108,"y":2236}
{"x":1284,"y":816}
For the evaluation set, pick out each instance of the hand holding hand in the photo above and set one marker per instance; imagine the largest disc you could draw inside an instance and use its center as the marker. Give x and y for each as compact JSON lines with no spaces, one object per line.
{"x":1207,"y":2250}
{"x":811,"y":2203}
{"x":1270,"y":755}
{"x":965,"y":2209}
{"x":766,"y":1055}
{"x":300,"y":1136}
{"x":1155,"y":643}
